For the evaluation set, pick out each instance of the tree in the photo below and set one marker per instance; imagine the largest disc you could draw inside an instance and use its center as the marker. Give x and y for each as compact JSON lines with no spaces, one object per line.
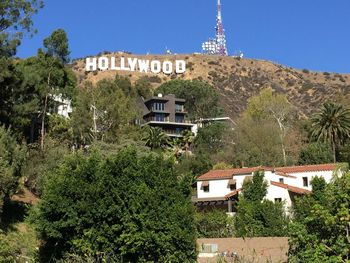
{"x":45,"y":78}
{"x":11,"y":161}
{"x":212,"y":138}
{"x":331,"y":124}
{"x":100,"y":113}
{"x":15,"y":20}
{"x":155,"y":138}
{"x":257,"y":143}
{"x":276,"y":107}
{"x":127,"y":205}
{"x":255,"y":189}
{"x":187,"y":139}
{"x":202,"y":101}
{"x":320,"y":230}
{"x":56,"y":45}
{"x":315,"y":153}
{"x":214,"y":224}
{"x":257,"y":216}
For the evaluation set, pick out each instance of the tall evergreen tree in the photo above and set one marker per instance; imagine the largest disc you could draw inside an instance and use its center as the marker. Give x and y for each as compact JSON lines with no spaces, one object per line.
{"x":56,"y":45}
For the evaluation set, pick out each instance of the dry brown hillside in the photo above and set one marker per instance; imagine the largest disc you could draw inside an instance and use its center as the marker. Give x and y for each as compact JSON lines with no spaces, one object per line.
{"x":237,"y":79}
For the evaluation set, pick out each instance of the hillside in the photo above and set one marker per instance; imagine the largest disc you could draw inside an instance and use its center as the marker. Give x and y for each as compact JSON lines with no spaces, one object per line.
{"x":237,"y":79}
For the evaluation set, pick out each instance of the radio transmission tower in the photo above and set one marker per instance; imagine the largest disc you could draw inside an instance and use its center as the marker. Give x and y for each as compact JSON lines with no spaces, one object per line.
{"x":217,"y":46}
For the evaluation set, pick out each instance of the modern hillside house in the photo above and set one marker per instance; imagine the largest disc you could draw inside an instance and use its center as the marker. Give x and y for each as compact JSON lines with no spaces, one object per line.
{"x":221,"y":188}
{"x":168,"y":113}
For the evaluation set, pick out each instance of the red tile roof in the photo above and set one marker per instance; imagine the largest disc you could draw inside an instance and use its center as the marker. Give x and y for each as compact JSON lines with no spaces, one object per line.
{"x":285,"y":175}
{"x":282,"y":171}
{"x":229,"y":173}
{"x":290,"y":188}
{"x":233,"y":193}
{"x":307,"y":168}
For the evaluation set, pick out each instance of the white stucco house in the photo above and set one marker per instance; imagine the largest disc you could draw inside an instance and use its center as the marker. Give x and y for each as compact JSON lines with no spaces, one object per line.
{"x":63,"y":106}
{"x":220,"y":188}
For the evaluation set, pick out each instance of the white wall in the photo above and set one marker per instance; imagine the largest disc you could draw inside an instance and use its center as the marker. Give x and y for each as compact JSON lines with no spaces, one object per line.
{"x":298,"y":182}
{"x":278,"y":192}
{"x":219,"y":188}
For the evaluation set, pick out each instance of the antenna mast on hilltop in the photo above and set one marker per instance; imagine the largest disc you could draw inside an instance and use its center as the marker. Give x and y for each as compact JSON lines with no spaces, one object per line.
{"x":217,"y":46}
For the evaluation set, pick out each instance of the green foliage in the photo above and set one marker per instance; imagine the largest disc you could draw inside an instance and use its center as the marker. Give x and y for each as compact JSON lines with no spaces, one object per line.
{"x":257,"y":217}
{"x":127,"y":205}
{"x":15,"y":21}
{"x":103,"y":110}
{"x":56,"y":45}
{"x":18,"y":242}
{"x":274,"y":107}
{"x":194,"y":164}
{"x":7,"y":252}
{"x":60,"y":129}
{"x":155,"y":138}
{"x":222,"y":166}
{"x":331,"y":124}
{"x":315,"y":153}
{"x":255,"y":189}
{"x":320,"y":231}
{"x":43,"y":78}
{"x":260,"y":219}
{"x":214,"y":224}
{"x":40,"y":163}
{"x":257,"y":143}
{"x":202,"y":101}
{"x":11,"y":160}
{"x":212,"y":138}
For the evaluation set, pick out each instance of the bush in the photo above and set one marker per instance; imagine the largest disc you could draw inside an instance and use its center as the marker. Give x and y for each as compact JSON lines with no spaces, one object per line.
{"x":214,"y":224}
{"x":127,"y":205}
{"x":315,"y":153}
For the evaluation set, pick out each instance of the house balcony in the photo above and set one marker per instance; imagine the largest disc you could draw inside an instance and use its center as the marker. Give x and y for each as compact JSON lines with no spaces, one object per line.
{"x":166,"y":121}
{"x":180,"y":111}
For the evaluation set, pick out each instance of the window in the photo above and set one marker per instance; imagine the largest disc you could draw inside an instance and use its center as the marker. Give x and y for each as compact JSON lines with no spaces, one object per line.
{"x":179,"y":119}
{"x":305,"y":182}
{"x":159,"y":117}
{"x":205,"y":186}
{"x":278,"y":200}
{"x":158,"y":106}
{"x":178,"y":131}
{"x":233,"y":187}
{"x":282,"y":180}
{"x":179,"y":108}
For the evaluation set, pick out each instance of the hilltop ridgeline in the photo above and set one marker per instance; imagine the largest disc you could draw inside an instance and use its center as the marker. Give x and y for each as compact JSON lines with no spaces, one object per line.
{"x":237,"y":79}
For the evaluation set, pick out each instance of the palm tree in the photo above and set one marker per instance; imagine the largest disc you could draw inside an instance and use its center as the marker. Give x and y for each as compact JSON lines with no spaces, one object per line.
{"x":155,"y":138}
{"x":187,"y":139}
{"x":331,"y":124}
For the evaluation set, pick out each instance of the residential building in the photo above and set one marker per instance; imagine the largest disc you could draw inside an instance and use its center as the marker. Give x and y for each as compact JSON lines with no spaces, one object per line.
{"x":168,"y":113}
{"x":220,"y":188}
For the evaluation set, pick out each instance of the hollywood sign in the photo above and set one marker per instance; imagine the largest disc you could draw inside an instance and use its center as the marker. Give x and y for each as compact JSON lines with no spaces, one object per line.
{"x":135,"y":64}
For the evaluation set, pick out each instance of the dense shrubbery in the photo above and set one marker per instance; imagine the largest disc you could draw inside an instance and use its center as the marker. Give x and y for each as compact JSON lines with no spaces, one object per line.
{"x":320,"y":230}
{"x":257,"y":217}
{"x":126,"y":205}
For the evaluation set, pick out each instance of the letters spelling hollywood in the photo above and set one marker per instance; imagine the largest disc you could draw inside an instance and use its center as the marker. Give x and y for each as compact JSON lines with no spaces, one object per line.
{"x":134,"y":64}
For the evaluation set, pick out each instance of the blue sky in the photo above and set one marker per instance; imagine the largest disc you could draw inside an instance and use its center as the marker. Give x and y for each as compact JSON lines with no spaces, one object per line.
{"x":298,"y":33}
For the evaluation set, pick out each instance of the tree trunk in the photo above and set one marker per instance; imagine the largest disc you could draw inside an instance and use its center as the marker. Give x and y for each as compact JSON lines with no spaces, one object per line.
{"x":44,"y":113}
{"x":282,"y":141}
{"x":334,"y":151}
{"x":43,"y":123}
